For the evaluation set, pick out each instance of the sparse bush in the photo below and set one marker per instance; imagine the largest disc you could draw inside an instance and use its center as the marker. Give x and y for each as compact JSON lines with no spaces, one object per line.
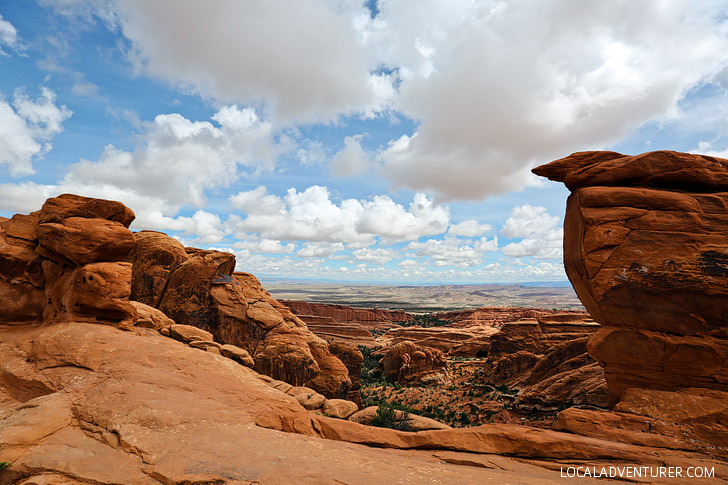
{"x":424,"y":320}
{"x":386,"y":417}
{"x":4,"y":465}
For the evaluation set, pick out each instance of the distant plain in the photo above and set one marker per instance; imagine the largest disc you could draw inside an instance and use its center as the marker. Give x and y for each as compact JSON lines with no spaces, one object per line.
{"x":427,"y":299}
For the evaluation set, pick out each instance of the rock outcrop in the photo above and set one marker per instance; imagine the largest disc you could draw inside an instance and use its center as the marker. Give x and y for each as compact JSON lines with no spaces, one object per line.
{"x":200,"y":288}
{"x":65,"y":262}
{"x":547,"y":360}
{"x":408,"y":363}
{"x":462,"y":342}
{"x":490,"y":316}
{"x":646,"y":249}
{"x":347,"y":314}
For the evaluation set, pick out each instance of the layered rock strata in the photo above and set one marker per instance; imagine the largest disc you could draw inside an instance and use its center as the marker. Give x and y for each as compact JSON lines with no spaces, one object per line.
{"x":347,"y":314}
{"x":646,"y":249}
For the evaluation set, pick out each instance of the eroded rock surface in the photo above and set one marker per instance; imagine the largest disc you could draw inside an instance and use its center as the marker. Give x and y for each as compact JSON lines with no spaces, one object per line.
{"x":200,"y":288}
{"x":408,"y":363}
{"x":645,"y":247}
{"x":66,"y":262}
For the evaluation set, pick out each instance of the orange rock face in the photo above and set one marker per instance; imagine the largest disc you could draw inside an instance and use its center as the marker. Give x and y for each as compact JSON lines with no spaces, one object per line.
{"x":408,"y":363}
{"x":646,"y":249}
{"x":65,"y":262}
{"x":347,"y":314}
{"x":199,"y":288}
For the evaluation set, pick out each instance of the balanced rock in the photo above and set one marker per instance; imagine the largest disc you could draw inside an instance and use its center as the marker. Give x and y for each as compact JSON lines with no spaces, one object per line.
{"x":646,"y":249}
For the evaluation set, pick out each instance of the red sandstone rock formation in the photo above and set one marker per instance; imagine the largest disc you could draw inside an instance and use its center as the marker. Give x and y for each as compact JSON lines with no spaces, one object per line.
{"x":408,"y":363}
{"x":645,"y":247}
{"x":86,"y":403}
{"x":490,"y":316}
{"x":464,"y":342}
{"x":547,"y":360}
{"x":65,"y":262}
{"x":199,"y":288}
{"x":347,"y":314}
{"x":330,"y":330}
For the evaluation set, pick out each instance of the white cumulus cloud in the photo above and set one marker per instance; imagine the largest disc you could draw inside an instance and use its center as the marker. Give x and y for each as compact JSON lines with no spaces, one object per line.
{"x":469,"y":228}
{"x":540,"y":233}
{"x":311,"y":215}
{"x":26,"y":127}
{"x":501,"y":86}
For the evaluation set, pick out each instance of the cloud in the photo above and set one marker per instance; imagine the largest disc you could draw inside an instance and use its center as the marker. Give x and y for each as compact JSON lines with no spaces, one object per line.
{"x":178,"y":160}
{"x":540,"y":233}
{"x":385,"y":218}
{"x":26,"y":127}
{"x":265,"y":246}
{"x":469,"y":228}
{"x":492,"y":102}
{"x":319,"y":249}
{"x":375,"y":255}
{"x":311,"y":215}
{"x":452,"y":251}
{"x":8,"y":36}
{"x":304,"y":60}
{"x":350,"y":160}
{"x":174,"y":164}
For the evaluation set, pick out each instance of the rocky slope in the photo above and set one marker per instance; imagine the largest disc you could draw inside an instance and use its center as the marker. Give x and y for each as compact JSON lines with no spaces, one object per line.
{"x":98,"y":388}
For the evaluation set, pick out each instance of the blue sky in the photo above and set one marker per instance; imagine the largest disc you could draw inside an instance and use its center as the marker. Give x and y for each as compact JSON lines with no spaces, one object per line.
{"x":386,"y":141}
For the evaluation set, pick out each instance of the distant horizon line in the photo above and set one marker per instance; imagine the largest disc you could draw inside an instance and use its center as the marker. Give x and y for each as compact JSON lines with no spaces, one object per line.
{"x":278,"y":279}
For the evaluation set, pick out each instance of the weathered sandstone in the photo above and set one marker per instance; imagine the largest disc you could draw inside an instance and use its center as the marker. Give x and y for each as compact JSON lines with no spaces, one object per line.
{"x":199,"y":288}
{"x":645,"y":248}
{"x":408,"y":363}
{"x":65,"y":262}
{"x":347,"y":314}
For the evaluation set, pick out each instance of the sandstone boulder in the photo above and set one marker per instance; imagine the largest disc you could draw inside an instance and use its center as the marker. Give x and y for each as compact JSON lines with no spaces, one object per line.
{"x":339,"y":408}
{"x":412,"y":422}
{"x":82,"y":240}
{"x":150,"y":317}
{"x":188,"y":333}
{"x":310,"y":400}
{"x":155,"y":257}
{"x":237,"y":354}
{"x":64,"y":263}
{"x":58,"y":209}
{"x":94,"y":292}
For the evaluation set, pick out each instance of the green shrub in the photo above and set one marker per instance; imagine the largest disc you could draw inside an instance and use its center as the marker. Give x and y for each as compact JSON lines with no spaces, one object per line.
{"x":4,"y":465}
{"x":386,"y":417}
